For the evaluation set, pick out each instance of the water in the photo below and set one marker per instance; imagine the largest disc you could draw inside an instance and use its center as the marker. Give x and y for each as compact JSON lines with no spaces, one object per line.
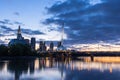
{"x":105,"y":68}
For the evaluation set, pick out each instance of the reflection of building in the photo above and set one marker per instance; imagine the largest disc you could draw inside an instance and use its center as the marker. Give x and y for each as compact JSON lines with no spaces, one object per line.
{"x":33,"y":41}
{"x":19,"y":39}
{"x":42,"y":46}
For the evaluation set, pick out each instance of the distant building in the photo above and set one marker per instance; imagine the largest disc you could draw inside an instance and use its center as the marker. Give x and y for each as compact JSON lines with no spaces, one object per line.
{"x":33,"y":42}
{"x":19,"y":39}
{"x":27,"y":40}
{"x":42,"y":46}
{"x":51,"y":46}
{"x":60,"y":46}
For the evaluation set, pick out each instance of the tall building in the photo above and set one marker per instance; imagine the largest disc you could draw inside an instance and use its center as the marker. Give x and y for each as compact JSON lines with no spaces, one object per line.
{"x":51,"y":46}
{"x":19,"y":35}
{"x":27,"y":41}
{"x":33,"y":42}
{"x":60,"y":46}
{"x":19,"y":39}
{"x":42,"y":46}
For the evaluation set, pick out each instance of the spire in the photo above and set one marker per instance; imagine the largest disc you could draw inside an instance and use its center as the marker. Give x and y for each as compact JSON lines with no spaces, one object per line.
{"x":19,"y":36}
{"x":62,"y":34}
{"x":19,"y":30}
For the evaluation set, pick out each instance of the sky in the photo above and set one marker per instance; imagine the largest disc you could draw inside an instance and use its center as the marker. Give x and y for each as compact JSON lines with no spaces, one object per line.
{"x":85,"y":21}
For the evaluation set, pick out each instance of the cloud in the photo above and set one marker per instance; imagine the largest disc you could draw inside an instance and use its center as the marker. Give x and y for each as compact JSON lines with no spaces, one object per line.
{"x":31,"y":32}
{"x":5,"y":28}
{"x":10,"y":22}
{"x":7,"y":31}
{"x":16,"y":13}
{"x":86,"y":22}
{"x":19,"y":23}
{"x":6,"y":21}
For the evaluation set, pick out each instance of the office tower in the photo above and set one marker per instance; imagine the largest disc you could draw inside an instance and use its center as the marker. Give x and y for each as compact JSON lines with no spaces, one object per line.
{"x":51,"y":46}
{"x":33,"y":42}
{"x":42,"y":46}
{"x":59,"y":44}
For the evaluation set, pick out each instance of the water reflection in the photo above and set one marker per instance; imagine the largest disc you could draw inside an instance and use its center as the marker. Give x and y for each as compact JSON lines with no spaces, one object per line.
{"x":65,"y":69}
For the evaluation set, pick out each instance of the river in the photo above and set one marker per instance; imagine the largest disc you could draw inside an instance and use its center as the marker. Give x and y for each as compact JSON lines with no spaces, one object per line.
{"x":82,"y":68}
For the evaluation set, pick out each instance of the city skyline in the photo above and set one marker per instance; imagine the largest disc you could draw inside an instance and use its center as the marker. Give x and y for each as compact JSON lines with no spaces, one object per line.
{"x":88,"y":22}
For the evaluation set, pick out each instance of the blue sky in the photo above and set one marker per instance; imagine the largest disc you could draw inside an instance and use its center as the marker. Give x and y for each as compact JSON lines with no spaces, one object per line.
{"x":86,"y":21}
{"x":29,"y":12}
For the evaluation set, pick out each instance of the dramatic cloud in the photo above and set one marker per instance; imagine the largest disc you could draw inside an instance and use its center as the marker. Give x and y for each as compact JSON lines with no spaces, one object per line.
{"x":10,"y":22}
{"x":19,"y":23}
{"x":7,"y":31}
{"x":6,"y":28}
{"x":5,"y":21}
{"x":85,"y":22}
{"x":31,"y":32}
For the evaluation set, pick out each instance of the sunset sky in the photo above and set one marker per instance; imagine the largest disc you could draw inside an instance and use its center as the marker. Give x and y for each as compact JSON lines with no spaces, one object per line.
{"x":85,"y":21}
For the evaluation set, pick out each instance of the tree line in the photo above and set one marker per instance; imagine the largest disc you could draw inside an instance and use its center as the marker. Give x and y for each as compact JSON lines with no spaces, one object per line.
{"x":16,"y":50}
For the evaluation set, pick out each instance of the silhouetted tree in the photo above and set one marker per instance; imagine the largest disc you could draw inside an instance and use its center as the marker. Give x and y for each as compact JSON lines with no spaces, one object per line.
{"x":3,"y":50}
{"x":20,"y":50}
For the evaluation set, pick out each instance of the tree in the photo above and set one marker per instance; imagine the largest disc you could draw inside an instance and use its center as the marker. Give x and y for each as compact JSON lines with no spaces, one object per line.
{"x":20,"y":50}
{"x":3,"y":50}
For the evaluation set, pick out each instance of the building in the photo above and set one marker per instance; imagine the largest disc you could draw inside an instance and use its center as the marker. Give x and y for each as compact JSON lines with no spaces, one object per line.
{"x":27,"y":40}
{"x":51,"y":46}
{"x":33,"y":42}
{"x":42,"y":46}
{"x":60,"y":46}
{"x":19,"y":39}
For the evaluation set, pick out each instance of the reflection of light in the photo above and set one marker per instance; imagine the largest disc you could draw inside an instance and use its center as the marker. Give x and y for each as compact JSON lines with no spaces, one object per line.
{"x":88,"y":59}
{"x":96,"y":65}
{"x":47,"y":63}
{"x":110,"y":69}
{"x":107,"y":59}
{"x":28,"y":71}
{"x":5,"y":74}
{"x":47,"y":74}
{"x":37,"y":64}
{"x":5,"y":67}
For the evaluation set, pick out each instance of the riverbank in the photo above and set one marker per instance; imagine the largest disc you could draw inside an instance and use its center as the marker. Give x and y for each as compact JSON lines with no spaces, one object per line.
{"x":64,"y":54}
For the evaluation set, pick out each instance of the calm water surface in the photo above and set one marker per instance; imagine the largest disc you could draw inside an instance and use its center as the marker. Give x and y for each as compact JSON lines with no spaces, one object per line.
{"x":105,"y":68}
